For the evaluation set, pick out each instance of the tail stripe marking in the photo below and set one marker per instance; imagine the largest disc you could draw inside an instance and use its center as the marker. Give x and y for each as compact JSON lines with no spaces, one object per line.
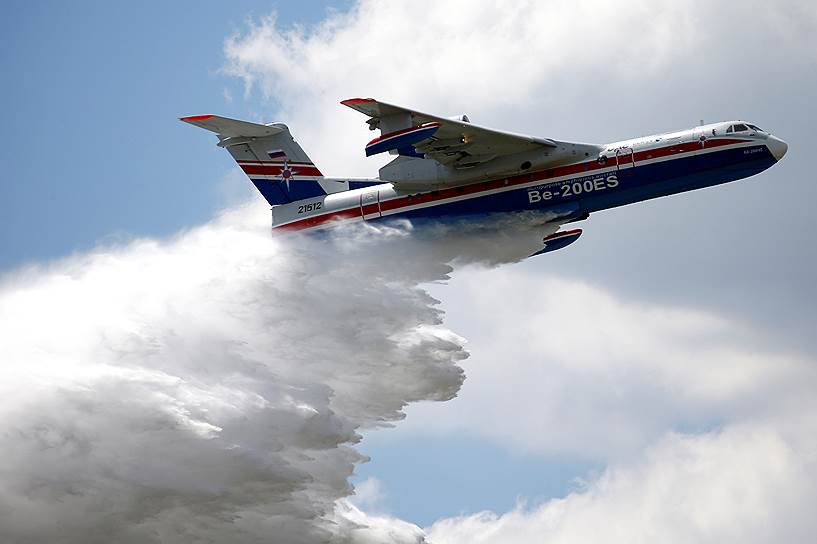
{"x":277,"y":170}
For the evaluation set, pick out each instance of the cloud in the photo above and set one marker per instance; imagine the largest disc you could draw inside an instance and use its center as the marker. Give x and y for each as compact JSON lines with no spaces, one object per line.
{"x":212,"y":387}
{"x":550,"y":69}
{"x":585,"y":71}
{"x":746,"y":483}
{"x":440,"y":57}
{"x":369,"y":494}
{"x":562,"y":367}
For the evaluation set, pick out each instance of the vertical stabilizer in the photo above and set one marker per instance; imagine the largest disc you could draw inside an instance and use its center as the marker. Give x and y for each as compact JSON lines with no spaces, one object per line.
{"x":271,"y":158}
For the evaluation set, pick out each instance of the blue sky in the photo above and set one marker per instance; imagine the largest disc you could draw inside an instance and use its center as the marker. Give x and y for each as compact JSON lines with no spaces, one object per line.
{"x":92,"y":93}
{"x":426,"y":478}
{"x":94,"y":154}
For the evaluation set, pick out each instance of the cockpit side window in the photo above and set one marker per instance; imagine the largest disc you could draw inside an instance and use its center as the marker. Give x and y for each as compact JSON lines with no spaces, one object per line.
{"x":740,"y":127}
{"x":730,"y":129}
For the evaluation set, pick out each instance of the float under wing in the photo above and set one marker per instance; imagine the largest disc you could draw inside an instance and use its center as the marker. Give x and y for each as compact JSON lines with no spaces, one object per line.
{"x":559,"y":240}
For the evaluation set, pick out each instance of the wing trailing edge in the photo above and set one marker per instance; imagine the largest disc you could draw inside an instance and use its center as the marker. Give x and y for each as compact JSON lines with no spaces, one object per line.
{"x":439,"y":151}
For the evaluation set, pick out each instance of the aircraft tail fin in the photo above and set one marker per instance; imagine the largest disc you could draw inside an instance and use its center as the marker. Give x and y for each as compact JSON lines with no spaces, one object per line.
{"x":269,"y":155}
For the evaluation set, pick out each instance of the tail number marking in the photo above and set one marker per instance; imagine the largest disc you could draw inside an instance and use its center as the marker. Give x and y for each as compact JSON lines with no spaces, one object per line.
{"x":574,"y":189}
{"x":311,"y":207}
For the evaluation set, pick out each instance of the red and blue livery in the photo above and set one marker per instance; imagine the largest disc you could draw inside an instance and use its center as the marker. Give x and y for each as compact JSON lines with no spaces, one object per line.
{"x":450,"y":168}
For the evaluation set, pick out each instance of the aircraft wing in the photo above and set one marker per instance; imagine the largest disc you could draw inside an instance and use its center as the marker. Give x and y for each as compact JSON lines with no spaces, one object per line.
{"x":450,"y":142}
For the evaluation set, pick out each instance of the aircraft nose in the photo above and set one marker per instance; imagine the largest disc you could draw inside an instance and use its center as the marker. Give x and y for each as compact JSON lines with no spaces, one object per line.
{"x":777,"y":147}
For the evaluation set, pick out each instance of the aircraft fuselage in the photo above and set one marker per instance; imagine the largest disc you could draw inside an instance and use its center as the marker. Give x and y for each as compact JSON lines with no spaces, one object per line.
{"x":623,"y":173}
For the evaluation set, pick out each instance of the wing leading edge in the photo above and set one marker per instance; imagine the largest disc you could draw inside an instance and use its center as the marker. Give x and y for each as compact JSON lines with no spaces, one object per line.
{"x":454,"y":142}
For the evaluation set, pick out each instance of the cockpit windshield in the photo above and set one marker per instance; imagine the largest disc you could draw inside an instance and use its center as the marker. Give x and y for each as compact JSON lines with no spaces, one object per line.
{"x":740,"y":127}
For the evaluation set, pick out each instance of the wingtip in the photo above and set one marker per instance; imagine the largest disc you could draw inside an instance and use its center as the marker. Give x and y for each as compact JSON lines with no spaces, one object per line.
{"x":352,"y":101}
{"x":197,"y":117}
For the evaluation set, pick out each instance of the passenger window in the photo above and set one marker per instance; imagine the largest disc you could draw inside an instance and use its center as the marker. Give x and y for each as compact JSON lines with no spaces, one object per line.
{"x":740,"y":128}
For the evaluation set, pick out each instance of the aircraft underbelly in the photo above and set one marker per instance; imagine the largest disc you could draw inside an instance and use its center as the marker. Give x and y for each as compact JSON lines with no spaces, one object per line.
{"x":681,"y":175}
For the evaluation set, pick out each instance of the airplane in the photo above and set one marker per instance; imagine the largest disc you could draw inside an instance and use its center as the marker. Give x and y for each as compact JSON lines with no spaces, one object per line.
{"x":451,"y":168}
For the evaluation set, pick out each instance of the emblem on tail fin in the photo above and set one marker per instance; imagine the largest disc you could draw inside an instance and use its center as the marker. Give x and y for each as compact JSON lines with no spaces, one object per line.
{"x":286,"y":173}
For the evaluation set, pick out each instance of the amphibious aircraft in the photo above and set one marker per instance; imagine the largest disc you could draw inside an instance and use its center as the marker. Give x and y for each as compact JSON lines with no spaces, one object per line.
{"x":451,"y":168}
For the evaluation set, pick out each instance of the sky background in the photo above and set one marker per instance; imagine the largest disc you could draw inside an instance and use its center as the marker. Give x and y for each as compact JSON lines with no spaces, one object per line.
{"x":713,"y":290}
{"x":102,"y":85}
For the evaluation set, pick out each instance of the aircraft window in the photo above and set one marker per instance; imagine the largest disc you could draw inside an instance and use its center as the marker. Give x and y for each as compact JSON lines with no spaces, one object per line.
{"x":755,"y":127}
{"x":740,"y":128}
{"x":730,"y":129}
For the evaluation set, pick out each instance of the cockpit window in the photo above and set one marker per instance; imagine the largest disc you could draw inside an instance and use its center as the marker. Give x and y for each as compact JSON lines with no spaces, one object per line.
{"x":740,"y":127}
{"x":730,"y":129}
{"x":755,"y":127}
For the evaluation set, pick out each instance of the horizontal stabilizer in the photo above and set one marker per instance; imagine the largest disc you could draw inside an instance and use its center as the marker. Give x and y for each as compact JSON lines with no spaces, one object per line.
{"x":226,"y":127}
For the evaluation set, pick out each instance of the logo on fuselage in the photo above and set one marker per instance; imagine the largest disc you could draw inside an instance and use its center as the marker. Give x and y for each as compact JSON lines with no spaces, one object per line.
{"x":572,"y":188}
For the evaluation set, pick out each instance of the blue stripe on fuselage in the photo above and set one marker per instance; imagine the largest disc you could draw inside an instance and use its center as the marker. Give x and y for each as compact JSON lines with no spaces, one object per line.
{"x":631,"y":184}
{"x":360,"y":184}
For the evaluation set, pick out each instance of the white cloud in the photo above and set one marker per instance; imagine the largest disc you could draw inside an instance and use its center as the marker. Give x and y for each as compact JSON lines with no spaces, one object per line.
{"x":212,"y":387}
{"x":587,"y":71}
{"x":560,"y":366}
{"x":369,"y":494}
{"x":744,"y":484}
{"x":557,"y":70}
{"x":365,"y":528}
{"x":196,"y":388}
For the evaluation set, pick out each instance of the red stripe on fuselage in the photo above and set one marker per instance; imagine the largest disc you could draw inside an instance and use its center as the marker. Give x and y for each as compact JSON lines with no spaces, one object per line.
{"x":511,"y":181}
{"x":316,"y":220}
